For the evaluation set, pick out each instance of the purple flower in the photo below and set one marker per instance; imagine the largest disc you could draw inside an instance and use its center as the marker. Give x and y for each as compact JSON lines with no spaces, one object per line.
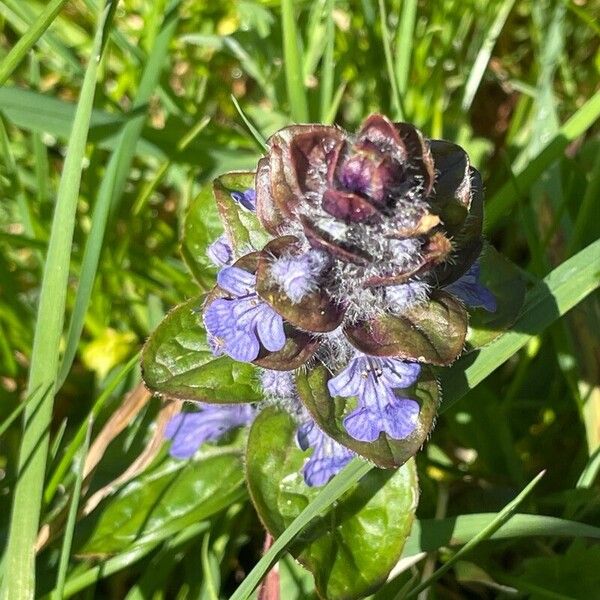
{"x":238,"y":326}
{"x":471,"y":291}
{"x":328,"y":457}
{"x":188,"y":431}
{"x":298,"y":276}
{"x":220,"y":251}
{"x":374,"y":381}
{"x":247,"y":198}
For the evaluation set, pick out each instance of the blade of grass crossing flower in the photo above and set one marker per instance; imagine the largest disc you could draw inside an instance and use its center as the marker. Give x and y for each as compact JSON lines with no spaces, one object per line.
{"x":29,"y":39}
{"x":258,"y":137}
{"x":562,"y":289}
{"x":327,"y":66}
{"x":500,"y":203}
{"x":112,"y":185}
{"x":404,"y":42}
{"x":502,"y":517}
{"x":343,"y":481}
{"x":484,"y":54}
{"x":70,"y":526}
{"x":293,"y":64}
{"x":397,"y":111}
{"x":76,"y":442}
{"x":20,"y":555}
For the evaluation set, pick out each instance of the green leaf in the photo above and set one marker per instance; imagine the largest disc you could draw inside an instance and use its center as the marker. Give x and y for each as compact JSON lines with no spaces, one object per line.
{"x":177,"y":362}
{"x":351,"y":549}
{"x":169,"y":497}
{"x":573,"y":574}
{"x":507,"y":284}
{"x":433,"y":333}
{"x":201,"y":227}
{"x":329,"y":413}
{"x":241,"y":225}
{"x":428,"y":535}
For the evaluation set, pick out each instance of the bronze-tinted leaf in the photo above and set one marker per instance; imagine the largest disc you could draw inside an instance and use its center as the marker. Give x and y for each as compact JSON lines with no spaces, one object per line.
{"x":329,"y":413}
{"x":451,"y":199}
{"x":299,"y":347}
{"x":313,"y":149}
{"x":266,"y":209}
{"x":467,"y":243}
{"x":433,"y":333}
{"x":349,"y":207}
{"x":419,"y":155}
{"x":315,"y":312}
{"x":318,"y":238}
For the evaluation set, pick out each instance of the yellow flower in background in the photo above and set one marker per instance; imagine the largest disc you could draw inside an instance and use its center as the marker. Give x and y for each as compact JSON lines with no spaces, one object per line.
{"x":109,"y":349}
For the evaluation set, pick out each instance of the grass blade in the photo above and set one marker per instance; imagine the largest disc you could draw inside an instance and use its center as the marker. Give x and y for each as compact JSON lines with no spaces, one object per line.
{"x":483,"y":56}
{"x":258,"y":137}
{"x":29,"y":39}
{"x":589,"y":474}
{"x":397,"y":114}
{"x":327,"y":66}
{"x":112,"y":186}
{"x":432,"y":534}
{"x":404,"y":42}
{"x":293,"y":64}
{"x":502,"y":201}
{"x":501,"y":518}
{"x":70,"y":526}
{"x":20,"y":557}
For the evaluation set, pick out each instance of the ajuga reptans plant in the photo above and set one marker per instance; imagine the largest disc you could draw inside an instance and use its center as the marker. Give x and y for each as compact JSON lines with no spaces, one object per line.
{"x":345,"y":274}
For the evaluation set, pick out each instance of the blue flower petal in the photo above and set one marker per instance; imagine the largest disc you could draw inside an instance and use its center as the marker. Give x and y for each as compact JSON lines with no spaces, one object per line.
{"x":328,"y":457}
{"x":472,"y":292}
{"x":246,"y":198}
{"x":220,"y":251}
{"x":243,"y":345}
{"x":348,"y":382}
{"x":270,"y":330}
{"x":399,"y":373}
{"x":363,"y":425}
{"x":226,"y":334}
{"x":236,"y":281}
{"x":188,"y":431}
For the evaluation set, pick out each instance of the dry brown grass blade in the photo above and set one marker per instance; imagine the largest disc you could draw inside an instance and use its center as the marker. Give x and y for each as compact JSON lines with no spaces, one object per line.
{"x":143,"y":460}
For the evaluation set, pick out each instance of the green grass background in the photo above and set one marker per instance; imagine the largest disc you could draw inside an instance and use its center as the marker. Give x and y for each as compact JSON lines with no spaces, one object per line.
{"x":113,"y":116}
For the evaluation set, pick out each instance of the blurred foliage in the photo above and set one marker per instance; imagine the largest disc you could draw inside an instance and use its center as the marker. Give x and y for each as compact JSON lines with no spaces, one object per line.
{"x":540,"y":410}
